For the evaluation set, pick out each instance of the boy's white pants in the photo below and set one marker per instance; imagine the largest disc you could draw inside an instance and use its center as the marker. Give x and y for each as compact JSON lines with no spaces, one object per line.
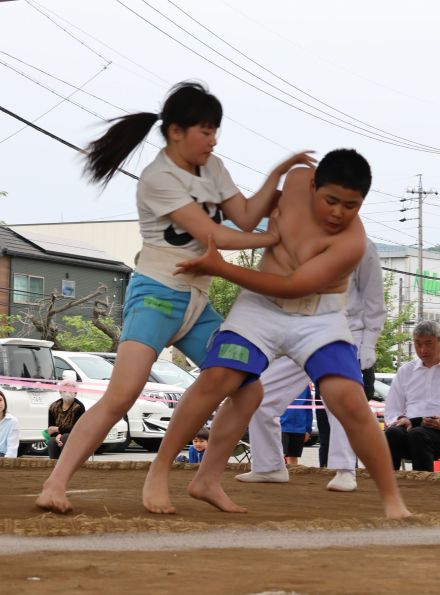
{"x":283,"y":381}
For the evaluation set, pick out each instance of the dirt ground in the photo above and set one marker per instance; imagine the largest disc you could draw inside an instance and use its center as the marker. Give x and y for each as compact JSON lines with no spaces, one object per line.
{"x":106,"y":499}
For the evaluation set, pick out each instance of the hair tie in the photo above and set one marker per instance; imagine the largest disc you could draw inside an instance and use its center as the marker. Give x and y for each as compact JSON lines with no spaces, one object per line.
{"x":159,"y":116}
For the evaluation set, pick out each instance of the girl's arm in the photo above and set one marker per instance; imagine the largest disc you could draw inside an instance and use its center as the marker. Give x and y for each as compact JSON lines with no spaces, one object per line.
{"x":314,"y":276}
{"x":246,"y":213}
{"x":196,"y":222}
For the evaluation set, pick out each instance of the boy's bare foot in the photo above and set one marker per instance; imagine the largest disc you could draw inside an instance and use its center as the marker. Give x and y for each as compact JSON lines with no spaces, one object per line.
{"x":213,"y":494}
{"x":53,"y":499}
{"x":155,"y":495}
{"x":397,"y":512}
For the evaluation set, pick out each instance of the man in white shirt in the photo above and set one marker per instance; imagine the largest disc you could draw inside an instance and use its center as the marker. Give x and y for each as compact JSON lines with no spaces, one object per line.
{"x":412,"y":408}
{"x":283,"y":380}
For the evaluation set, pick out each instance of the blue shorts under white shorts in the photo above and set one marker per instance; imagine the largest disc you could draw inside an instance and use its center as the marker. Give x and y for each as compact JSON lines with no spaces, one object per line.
{"x":153,"y":313}
{"x":230,"y":350}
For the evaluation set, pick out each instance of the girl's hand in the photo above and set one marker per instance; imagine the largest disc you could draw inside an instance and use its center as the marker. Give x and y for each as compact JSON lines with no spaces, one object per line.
{"x":304,"y":158}
{"x":210,"y":263}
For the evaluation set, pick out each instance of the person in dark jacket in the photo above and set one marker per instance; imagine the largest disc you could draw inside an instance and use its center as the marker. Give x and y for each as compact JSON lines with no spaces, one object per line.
{"x":63,"y":415}
{"x":296,"y":426}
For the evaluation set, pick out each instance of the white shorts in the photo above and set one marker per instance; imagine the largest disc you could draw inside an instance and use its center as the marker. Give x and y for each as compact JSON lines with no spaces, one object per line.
{"x":276,"y":332}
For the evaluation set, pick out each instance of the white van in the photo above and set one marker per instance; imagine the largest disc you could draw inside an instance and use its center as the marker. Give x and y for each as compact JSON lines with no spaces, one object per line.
{"x":31,"y":361}
{"x":149,"y":416}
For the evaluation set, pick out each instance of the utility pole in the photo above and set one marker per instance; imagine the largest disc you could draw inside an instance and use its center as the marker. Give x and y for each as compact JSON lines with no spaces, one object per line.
{"x":421,"y":194}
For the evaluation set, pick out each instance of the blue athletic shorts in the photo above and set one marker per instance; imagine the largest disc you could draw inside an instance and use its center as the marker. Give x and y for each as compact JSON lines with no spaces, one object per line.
{"x":230,"y":350}
{"x":153,"y":313}
{"x":335,"y":359}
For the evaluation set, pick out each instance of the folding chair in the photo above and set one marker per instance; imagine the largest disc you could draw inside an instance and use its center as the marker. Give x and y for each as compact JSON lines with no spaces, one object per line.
{"x":242,"y":452}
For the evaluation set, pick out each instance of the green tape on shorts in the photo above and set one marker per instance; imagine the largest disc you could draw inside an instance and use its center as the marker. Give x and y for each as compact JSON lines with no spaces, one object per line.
{"x":235,"y":352}
{"x":163,"y":306}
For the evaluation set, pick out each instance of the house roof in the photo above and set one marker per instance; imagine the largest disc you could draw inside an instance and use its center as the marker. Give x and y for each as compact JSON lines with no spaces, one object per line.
{"x":37,"y":246}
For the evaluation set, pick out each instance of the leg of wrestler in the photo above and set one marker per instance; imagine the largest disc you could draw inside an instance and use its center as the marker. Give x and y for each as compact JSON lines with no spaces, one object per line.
{"x":228,"y":427}
{"x":282,"y":380}
{"x":346,"y":399}
{"x":212,"y":386}
{"x":130,"y":374}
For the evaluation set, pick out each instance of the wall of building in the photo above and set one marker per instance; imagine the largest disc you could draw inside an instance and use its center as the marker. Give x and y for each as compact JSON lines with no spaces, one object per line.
{"x":5,"y":262}
{"x":120,"y":239}
{"x":86,"y":279}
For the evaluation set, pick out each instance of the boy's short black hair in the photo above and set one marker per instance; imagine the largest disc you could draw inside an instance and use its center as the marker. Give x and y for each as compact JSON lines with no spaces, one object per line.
{"x":203,"y":434}
{"x":346,"y":168}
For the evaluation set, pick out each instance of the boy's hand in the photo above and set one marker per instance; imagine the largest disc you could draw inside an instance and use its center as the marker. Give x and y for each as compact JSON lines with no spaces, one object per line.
{"x":209,"y":263}
{"x":304,"y":158}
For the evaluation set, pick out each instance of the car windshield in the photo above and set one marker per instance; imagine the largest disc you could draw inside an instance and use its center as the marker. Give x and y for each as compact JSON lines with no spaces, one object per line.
{"x":27,"y":362}
{"x":94,"y":367}
{"x":169,"y":373}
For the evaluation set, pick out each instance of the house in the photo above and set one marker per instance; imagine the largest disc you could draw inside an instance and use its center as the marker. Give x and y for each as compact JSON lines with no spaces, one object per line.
{"x":33,"y":266}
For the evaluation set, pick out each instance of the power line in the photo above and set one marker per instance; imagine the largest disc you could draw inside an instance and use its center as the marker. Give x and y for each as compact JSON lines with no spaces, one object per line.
{"x":389,"y":142}
{"x":247,"y":57}
{"x":57,"y":138}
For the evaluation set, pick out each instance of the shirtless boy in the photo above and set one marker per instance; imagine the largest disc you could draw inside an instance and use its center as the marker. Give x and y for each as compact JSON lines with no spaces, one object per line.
{"x":293,"y":306}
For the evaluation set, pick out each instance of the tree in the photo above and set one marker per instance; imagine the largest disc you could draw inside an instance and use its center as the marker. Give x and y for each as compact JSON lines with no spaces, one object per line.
{"x":223,"y":293}
{"x":390,"y":344}
{"x":7,"y":324}
{"x":83,"y":335}
{"x":43,"y":316}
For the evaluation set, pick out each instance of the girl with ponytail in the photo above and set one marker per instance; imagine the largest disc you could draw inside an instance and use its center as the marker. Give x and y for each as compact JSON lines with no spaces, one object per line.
{"x":182,"y":198}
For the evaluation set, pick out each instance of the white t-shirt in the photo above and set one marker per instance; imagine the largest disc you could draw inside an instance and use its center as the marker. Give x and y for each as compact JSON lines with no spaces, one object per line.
{"x":164,"y":187}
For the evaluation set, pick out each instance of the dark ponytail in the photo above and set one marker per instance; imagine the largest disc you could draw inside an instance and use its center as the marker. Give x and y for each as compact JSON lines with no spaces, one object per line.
{"x":188,"y":104}
{"x":107,"y":153}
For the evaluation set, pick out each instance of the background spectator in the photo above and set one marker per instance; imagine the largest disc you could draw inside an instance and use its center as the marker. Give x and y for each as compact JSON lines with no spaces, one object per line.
{"x":63,"y":415}
{"x":9,"y":433}
{"x":296,"y":427}
{"x":412,"y":407}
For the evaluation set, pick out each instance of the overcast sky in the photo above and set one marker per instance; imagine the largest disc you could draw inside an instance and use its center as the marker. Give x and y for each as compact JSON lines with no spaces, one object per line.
{"x":290,"y":75}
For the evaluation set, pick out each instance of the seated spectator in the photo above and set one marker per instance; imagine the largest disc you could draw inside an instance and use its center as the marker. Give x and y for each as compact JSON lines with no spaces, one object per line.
{"x":9,"y":433}
{"x":63,"y":415}
{"x":197,"y":449}
{"x":199,"y":445}
{"x":296,"y":427}
{"x":412,"y":407}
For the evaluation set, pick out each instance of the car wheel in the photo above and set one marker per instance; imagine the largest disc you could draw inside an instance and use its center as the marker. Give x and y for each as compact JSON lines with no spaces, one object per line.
{"x":150,"y":444}
{"x":37,"y":449}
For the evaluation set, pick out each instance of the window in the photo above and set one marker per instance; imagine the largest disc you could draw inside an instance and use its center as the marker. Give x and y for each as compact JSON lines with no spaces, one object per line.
{"x":28,"y":289}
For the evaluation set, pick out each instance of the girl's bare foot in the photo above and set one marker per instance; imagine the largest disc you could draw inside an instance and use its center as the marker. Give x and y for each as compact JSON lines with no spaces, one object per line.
{"x":213,"y":494}
{"x":54,"y":499}
{"x":155,"y":495}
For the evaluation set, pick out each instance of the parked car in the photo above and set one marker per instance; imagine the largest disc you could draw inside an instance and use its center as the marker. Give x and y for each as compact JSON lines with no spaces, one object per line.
{"x":385,"y":377}
{"x":147,"y":419}
{"x":163,"y":371}
{"x":31,"y":360}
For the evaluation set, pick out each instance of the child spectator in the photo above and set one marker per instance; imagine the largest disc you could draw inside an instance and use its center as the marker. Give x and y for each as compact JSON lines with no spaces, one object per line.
{"x":296,"y":427}
{"x":199,"y":445}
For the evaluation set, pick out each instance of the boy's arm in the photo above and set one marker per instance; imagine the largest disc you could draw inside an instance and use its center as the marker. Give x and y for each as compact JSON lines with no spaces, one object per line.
{"x":314,"y":276}
{"x":246,"y":213}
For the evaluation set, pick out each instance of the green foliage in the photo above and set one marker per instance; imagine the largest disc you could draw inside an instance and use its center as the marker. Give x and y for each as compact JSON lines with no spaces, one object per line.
{"x":223,"y":293}
{"x":7,"y":324}
{"x":82,"y":335}
{"x":392,"y":339}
